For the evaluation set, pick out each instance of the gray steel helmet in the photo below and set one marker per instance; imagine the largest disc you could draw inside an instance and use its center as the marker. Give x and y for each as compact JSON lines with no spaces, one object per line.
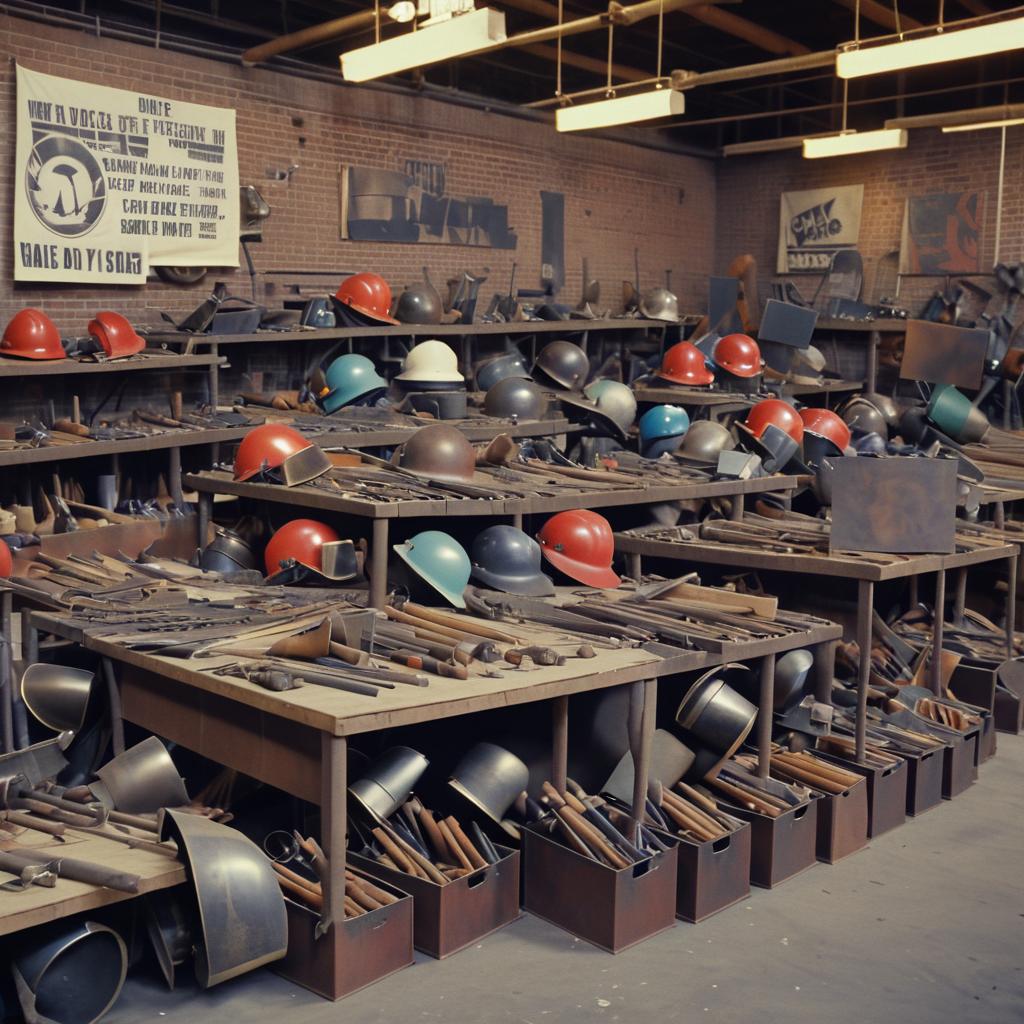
{"x":563,"y":363}
{"x":227,"y":553}
{"x":660,"y":304}
{"x":418,"y":304}
{"x":615,"y":399}
{"x":885,"y":405}
{"x":491,"y":778}
{"x":439,"y":452}
{"x":488,"y":373}
{"x":861,"y":414}
{"x":705,"y":441}
{"x":515,"y":398}
{"x":509,"y":560}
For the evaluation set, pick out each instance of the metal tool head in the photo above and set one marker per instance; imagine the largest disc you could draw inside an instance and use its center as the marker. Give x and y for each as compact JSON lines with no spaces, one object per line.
{"x":491,"y":778}
{"x":70,"y":973}
{"x":58,"y":696}
{"x":791,"y":671}
{"x":389,"y":781}
{"x":242,"y":917}
{"x":141,"y":780}
{"x":38,"y":762}
{"x":714,"y":713}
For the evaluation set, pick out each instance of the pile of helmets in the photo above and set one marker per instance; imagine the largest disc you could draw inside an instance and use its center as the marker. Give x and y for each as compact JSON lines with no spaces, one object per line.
{"x":509,"y":391}
{"x":31,"y":334}
{"x":275,"y":453}
{"x":363,"y":300}
{"x":872,"y":419}
{"x":351,"y":379}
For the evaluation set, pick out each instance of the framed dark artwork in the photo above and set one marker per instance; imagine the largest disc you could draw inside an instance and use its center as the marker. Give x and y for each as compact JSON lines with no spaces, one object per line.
{"x":942,"y":233}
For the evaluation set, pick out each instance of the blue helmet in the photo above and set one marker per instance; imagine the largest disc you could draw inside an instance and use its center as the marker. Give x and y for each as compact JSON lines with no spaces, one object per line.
{"x":440,"y":560}
{"x":661,"y":429}
{"x":349,"y":378}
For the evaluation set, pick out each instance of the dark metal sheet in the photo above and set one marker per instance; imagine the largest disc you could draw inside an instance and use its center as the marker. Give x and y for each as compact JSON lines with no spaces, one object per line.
{"x":786,"y":324}
{"x":901,"y":506}
{"x":552,"y":239}
{"x":722,"y":313}
{"x":944,"y":354}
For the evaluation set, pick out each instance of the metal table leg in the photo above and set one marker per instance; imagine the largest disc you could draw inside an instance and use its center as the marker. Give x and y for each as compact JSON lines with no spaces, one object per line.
{"x":7,"y":672}
{"x":824,"y":670}
{"x":938,"y":625}
{"x":635,"y":565}
{"x":1000,"y":515}
{"x":914,"y":592}
{"x":764,"y":716}
{"x":865,"y":604}
{"x":559,"y":742}
{"x":960,"y":598}
{"x":379,"y":564}
{"x":517,"y":520}
{"x":114,"y":698}
{"x":736,"y":509}
{"x":204,"y":517}
{"x":1011,"y":604}
{"x":29,"y":638}
{"x":333,"y":826}
{"x":871,"y":375}
{"x":646,"y":694}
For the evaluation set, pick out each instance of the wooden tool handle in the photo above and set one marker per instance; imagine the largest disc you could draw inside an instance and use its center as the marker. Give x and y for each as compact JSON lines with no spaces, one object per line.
{"x":808,"y":779}
{"x":593,"y":838}
{"x":457,"y":622}
{"x":433,"y":834}
{"x":379,"y":894}
{"x":418,"y":859}
{"x":745,"y":799}
{"x":307,"y":896}
{"x":393,"y":851}
{"x":463,"y":840}
{"x":574,"y":841}
{"x":286,"y":872}
{"x":358,"y":895}
{"x":453,"y":846}
{"x":695,"y":796}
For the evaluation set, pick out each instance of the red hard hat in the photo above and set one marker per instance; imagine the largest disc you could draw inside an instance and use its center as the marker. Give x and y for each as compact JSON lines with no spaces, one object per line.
{"x":738,"y":354}
{"x":827,"y":424}
{"x":684,"y":364}
{"x":6,"y":561}
{"x":268,"y":447}
{"x":302,"y":540}
{"x":115,"y":334}
{"x":776,"y":413}
{"x":369,"y":294}
{"x":31,"y":334}
{"x":580,"y":543}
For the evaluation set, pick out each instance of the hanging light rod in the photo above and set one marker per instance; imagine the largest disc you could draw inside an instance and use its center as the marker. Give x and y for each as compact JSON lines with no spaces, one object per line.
{"x":976,"y":117}
{"x":641,"y":106}
{"x":1008,"y":123}
{"x":849,"y":143}
{"x":767,"y":145}
{"x":959,"y":40}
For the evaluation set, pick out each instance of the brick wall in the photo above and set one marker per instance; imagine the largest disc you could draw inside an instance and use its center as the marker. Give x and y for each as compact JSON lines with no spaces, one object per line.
{"x":617,"y":196}
{"x":749,"y":188}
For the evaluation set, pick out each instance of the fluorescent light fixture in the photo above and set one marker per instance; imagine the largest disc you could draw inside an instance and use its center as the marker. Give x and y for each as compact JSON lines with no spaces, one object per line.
{"x":855,"y":142}
{"x":466,"y":34}
{"x":764,"y":145}
{"x":982,"y":124}
{"x":641,"y":106}
{"x":951,"y":44}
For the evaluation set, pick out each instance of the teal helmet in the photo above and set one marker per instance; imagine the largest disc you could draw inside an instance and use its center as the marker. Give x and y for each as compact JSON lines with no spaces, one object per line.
{"x":441,"y":561}
{"x":661,"y":429}
{"x":954,"y":414}
{"x":349,"y":378}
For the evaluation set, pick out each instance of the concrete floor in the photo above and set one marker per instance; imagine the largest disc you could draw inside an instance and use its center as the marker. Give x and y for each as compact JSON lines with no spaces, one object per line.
{"x":925,"y":925}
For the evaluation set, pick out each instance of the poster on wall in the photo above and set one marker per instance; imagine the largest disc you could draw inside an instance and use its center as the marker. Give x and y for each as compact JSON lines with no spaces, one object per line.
{"x":414,"y":205}
{"x":815,"y":224}
{"x":109,"y":182}
{"x":942,"y":233}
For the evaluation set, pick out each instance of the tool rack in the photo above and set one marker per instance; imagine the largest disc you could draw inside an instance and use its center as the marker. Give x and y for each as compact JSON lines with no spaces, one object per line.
{"x":844,"y":565}
{"x":297,"y":741}
{"x":213,"y":482}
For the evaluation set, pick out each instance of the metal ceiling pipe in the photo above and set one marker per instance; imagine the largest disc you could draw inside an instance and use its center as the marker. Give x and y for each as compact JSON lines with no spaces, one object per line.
{"x":880,"y":14}
{"x":783,"y":66}
{"x":976,"y":115}
{"x":585,"y":63}
{"x":312,"y":36}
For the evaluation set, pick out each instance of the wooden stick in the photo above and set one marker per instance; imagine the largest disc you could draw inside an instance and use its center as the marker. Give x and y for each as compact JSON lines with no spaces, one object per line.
{"x":463,"y":840}
{"x":399,"y":858}
{"x":453,"y":846}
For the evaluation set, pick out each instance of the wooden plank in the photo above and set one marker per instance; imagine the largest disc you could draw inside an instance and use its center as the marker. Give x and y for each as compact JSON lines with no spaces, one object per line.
{"x":148,"y":359}
{"x":882,"y":326}
{"x":96,"y":449}
{"x":564,"y":328}
{"x":38,"y":905}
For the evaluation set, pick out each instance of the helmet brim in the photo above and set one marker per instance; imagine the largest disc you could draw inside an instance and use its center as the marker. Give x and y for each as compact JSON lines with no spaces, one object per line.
{"x":694,"y":380}
{"x":536,"y":585}
{"x":590,"y":575}
{"x":330,"y":406}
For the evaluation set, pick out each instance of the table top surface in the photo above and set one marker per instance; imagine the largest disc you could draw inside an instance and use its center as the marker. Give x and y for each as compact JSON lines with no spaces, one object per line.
{"x":343,"y":714}
{"x":39,"y":905}
{"x":221,"y":482}
{"x":148,"y":359}
{"x":846,"y":564}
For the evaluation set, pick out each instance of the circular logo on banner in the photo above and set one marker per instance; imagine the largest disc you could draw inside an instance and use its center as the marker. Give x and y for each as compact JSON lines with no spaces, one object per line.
{"x":65,"y":185}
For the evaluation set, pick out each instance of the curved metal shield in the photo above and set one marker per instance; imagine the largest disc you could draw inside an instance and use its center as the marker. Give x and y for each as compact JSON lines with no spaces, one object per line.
{"x":142,"y":780}
{"x":56,"y":695}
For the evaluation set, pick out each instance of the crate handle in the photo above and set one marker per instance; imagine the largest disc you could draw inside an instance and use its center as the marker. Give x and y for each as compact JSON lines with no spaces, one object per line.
{"x":477,"y":878}
{"x":721,"y":845}
{"x":800,"y":812}
{"x":642,"y":867}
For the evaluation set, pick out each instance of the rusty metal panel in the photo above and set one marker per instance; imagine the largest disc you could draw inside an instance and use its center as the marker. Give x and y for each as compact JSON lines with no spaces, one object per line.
{"x":944,"y":354}
{"x":900,"y":506}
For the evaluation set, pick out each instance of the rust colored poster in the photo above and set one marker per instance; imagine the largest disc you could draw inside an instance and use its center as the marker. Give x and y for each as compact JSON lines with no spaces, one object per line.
{"x":942,"y":233}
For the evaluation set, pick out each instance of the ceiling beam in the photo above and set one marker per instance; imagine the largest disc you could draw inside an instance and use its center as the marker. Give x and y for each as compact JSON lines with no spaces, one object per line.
{"x":623,"y":72}
{"x":976,"y":7}
{"x":763,"y":38}
{"x":880,"y":14}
